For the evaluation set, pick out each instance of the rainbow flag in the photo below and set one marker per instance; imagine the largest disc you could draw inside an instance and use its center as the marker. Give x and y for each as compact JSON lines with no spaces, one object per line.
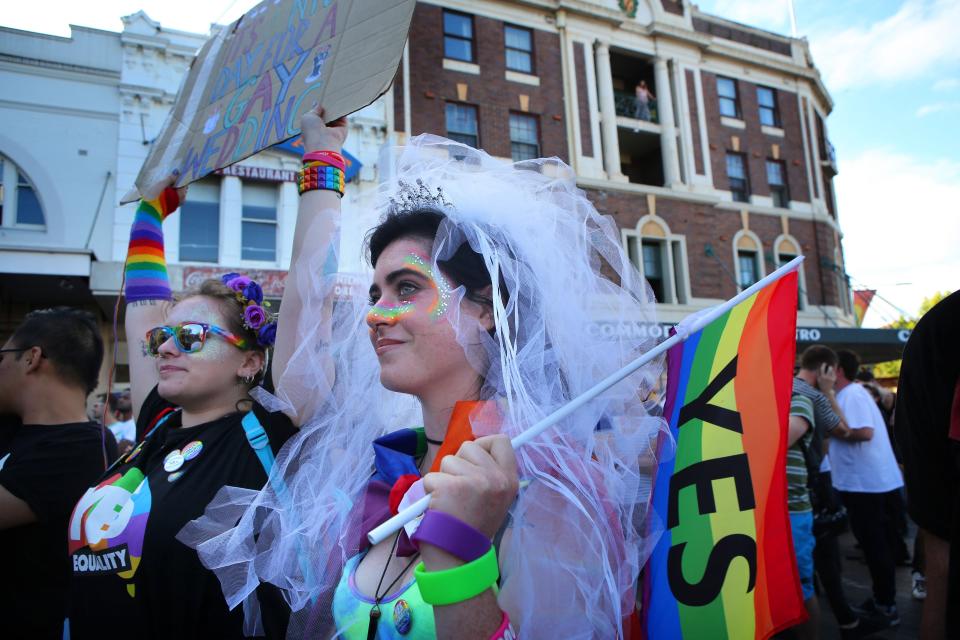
{"x":861,"y":302}
{"x":724,"y":566}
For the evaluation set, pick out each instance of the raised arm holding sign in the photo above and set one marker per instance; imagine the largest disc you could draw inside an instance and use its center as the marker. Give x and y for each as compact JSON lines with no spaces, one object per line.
{"x":253,"y":80}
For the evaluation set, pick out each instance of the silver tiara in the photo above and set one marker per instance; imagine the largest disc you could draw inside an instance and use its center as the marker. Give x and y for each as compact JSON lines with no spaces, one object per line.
{"x":409,"y":198}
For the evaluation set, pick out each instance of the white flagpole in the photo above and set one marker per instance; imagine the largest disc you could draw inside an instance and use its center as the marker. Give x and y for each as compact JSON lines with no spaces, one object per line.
{"x":793,"y":19}
{"x":394,"y":524}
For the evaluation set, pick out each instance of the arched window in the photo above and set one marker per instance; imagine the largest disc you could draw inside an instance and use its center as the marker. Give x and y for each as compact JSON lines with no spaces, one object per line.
{"x":19,"y":203}
{"x":840,"y":272}
{"x":749,"y":258}
{"x":661,"y":258}
{"x":787,"y":248}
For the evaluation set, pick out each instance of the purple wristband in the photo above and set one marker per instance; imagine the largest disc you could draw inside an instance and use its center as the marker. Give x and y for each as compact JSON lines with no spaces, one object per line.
{"x":452,"y":535}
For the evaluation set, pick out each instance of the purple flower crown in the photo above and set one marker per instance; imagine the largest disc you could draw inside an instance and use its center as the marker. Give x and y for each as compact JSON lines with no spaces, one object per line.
{"x":256,"y":316}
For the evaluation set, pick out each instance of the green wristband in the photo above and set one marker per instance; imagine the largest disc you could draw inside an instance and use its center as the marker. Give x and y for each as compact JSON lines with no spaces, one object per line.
{"x":451,"y":586}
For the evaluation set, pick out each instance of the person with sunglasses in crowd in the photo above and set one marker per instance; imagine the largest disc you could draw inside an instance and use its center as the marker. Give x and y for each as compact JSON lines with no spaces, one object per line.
{"x":193,"y":363}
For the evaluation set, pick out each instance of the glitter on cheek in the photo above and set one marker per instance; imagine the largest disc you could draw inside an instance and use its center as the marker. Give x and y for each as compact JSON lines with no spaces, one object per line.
{"x":214,"y":348}
{"x":440,"y":285}
{"x":389,"y":313}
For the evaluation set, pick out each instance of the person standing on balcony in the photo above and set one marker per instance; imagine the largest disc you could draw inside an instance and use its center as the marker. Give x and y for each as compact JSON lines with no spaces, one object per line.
{"x":643,"y":97}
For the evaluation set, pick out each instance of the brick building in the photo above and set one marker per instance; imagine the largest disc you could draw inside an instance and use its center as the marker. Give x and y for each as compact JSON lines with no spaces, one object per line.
{"x":723,"y":177}
{"x":726,"y":174}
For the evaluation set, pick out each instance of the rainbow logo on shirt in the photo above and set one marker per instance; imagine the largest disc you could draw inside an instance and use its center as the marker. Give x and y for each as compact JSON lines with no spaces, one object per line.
{"x":108,"y":525}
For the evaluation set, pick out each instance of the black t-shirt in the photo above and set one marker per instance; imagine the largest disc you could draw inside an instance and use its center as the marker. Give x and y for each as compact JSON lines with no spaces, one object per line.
{"x":929,"y":376}
{"x":131,"y":576}
{"x":48,"y":467}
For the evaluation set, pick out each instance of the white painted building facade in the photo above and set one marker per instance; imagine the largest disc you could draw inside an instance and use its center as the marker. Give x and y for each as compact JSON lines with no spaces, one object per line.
{"x":59,"y":116}
{"x":77,"y":118}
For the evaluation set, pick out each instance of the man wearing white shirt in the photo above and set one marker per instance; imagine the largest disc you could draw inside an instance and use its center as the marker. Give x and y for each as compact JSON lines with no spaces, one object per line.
{"x":864,"y":471}
{"x":120,"y":422}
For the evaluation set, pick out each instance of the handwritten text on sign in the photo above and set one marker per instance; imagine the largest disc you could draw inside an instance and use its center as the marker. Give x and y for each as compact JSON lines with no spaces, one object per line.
{"x":251,"y":82}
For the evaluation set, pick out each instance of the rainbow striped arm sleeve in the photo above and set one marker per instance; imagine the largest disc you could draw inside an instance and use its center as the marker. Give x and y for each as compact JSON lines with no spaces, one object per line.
{"x":146,"y":269}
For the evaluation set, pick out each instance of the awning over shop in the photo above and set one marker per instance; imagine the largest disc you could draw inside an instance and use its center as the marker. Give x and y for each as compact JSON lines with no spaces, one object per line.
{"x":47,"y":261}
{"x":872,"y":345}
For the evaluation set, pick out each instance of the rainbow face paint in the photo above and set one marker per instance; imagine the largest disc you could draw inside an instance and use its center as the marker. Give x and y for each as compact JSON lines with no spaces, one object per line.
{"x":440,"y":285}
{"x":389,"y":313}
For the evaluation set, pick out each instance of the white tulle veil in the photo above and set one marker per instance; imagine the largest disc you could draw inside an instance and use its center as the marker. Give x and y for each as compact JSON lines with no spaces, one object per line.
{"x":579,"y":530}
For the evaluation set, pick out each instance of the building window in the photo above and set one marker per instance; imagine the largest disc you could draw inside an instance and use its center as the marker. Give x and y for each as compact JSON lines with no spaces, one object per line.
{"x":524,"y":137}
{"x":259,"y":222}
{"x":457,"y":36}
{"x":29,"y":211}
{"x":769,"y":113}
{"x":653,"y":267}
{"x":19,"y":204}
{"x":519,"y":46}
{"x":679,"y":270}
{"x":200,"y":223}
{"x":749,"y":271}
{"x":462,"y":124}
{"x":727,"y":92}
{"x":633,"y":254}
{"x":783,"y":258}
{"x":737,"y":176}
{"x":777,"y":179}
{"x":660,"y":257}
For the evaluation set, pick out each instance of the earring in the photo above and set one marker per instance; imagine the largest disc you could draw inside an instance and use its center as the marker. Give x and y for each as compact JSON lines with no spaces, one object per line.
{"x":247,"y":379}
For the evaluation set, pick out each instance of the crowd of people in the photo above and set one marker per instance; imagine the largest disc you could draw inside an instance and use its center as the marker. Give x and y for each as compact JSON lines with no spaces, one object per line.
{"x":229,"y":490}
{"x":841,"y":471}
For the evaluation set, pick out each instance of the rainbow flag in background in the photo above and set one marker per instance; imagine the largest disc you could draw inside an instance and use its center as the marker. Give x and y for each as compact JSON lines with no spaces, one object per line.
{"x":725,"y":567}
{"x":861,"y":302}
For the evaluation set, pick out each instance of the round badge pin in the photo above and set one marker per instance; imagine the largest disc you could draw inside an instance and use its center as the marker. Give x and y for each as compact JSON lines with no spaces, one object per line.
{"x":173,"y":477}
{"x":192,"y":450}
{"x":173,"y":461}
{"x":402,"y":617}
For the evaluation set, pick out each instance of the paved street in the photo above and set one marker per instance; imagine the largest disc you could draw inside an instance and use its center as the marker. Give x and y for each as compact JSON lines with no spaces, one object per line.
{"x":856,"y":580}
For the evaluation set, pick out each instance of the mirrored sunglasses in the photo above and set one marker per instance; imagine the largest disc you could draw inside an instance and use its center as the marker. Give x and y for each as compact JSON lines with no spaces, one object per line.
{"x":189,"y":337}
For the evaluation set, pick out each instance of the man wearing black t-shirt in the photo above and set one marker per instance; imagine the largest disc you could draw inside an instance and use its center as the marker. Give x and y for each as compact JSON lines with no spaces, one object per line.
{"x":927,"y":427}
{"x":49,"y":454}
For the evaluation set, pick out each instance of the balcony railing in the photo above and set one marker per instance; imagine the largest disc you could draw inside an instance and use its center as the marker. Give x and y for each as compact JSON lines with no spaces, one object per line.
{"x":626,"y":105}
{"x":830,"y":162}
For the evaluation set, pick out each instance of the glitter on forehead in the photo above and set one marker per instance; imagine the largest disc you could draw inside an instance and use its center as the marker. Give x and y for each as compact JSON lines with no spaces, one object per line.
{"x":196,"y":309}
{"x":443,"y":289}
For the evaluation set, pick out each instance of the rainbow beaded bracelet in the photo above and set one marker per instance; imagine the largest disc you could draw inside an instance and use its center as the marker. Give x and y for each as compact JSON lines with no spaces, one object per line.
{"x":320,"y":177}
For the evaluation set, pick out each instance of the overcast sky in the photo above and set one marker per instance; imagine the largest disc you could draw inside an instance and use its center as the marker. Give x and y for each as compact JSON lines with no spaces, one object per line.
{"x":891,"y":66}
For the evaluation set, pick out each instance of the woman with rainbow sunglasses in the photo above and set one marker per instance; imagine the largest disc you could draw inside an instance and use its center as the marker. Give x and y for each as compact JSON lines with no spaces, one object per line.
{"x":479,"y":320}
{"x":193,"y":363}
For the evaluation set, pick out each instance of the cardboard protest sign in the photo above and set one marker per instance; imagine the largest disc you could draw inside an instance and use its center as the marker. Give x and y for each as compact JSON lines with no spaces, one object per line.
{"x":251,"y":82}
